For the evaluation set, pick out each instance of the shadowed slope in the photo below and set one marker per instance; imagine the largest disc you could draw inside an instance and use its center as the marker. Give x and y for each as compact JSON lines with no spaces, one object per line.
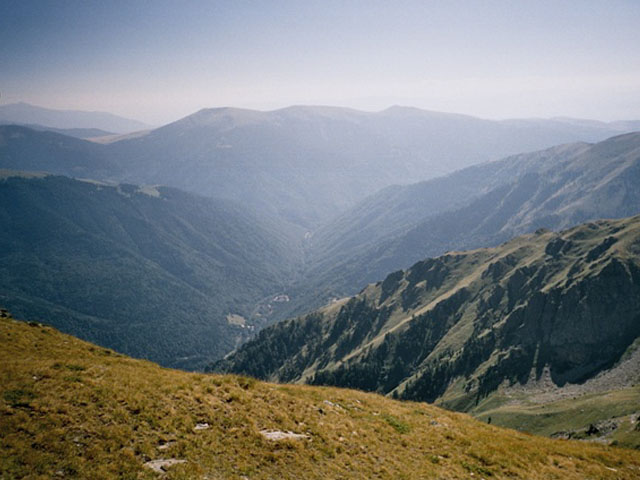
{"x":150,"y":271}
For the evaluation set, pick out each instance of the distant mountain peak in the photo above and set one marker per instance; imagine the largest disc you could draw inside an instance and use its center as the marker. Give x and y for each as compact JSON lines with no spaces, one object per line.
{"x":221,"y":117}
{"x":408,"y":111}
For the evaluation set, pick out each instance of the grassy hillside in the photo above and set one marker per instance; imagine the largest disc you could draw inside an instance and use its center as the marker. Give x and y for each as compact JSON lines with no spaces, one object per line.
{"x":152,"y":272}
{"x":611,"y":417}
{"x":457,"y":328}
{"x":70,"y":409}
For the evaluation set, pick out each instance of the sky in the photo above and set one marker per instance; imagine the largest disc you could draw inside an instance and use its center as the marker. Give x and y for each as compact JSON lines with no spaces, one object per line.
{"x":160,"y":60}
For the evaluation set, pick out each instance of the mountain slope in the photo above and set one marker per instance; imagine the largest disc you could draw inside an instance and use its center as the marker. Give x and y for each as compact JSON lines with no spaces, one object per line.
{"x":70,"y":409}
{"x":23,"y":148}
{"x":479,"y":206}
{"x":153,"y":272}
{"x":84,"y":133}
{"x":307,"y":164}
{"x":25,"y":114}
{"x":454,"y":329}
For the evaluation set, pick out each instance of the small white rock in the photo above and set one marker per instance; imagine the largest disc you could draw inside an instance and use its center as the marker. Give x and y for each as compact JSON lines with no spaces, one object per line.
{"x":276,"y":435}
{"x":160,"y":465}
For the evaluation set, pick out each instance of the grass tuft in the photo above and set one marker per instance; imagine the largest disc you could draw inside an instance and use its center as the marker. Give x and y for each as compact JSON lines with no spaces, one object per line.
{"x":398,"y":425}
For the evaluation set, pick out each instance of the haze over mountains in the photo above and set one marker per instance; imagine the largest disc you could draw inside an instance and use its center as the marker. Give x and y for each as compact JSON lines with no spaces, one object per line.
{"x":479,"y":206}
{"x":85,"y":133}
{"x":27,"y":149}
{"x":279,"y":215}
{"x":278,"y":180}
{"x":26,"y":114}
{"x":325,"y":240}
{"x":308,"y":164}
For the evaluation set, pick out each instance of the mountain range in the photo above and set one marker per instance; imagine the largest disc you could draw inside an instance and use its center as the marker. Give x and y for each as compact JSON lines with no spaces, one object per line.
{"x":463,"y":328}
{"x":309,"y":164}
{"x":482,"y":205}
{"x":84,"y":133}
{"x":27,"y":149}
{"x":492,"y":309}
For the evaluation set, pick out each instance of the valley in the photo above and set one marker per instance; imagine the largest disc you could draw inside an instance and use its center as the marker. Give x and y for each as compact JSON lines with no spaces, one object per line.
{"x":475,"y":207}
{"x":491,"y":202}
{"x":150,"y":272}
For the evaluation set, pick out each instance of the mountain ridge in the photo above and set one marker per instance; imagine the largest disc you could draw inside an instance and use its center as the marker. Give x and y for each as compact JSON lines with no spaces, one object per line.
{"x":26,"y":149}
{"x":306,"y":164}
{"x":481,"y":205}
{"x":309,"y":163}
{"x":25,"y":113}
{"x":452,"y":329}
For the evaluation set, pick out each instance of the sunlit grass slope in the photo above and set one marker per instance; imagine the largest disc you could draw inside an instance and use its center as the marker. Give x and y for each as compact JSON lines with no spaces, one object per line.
{"x":69,"y":409}
{"x":618,"y":408}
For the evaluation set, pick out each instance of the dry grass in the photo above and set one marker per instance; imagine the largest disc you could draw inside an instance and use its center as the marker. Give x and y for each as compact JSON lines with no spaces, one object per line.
{"x":69,"y":409}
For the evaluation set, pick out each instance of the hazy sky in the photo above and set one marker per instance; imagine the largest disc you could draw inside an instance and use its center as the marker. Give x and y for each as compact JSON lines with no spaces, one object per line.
{"x":160,"y":60}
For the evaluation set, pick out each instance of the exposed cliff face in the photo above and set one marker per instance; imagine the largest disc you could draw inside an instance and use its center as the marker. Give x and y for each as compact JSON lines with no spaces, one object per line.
{"x":454,"y":328}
